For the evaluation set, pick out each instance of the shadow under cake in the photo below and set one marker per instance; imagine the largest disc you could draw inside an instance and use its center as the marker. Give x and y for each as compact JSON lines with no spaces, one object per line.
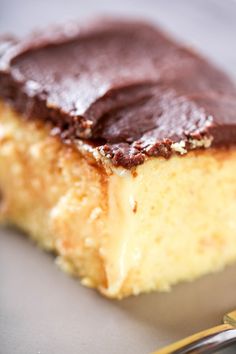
{"x":117,"y":151}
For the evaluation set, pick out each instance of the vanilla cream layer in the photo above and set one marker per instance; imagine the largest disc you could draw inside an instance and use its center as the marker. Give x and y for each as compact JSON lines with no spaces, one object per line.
{"x":123,"y":232}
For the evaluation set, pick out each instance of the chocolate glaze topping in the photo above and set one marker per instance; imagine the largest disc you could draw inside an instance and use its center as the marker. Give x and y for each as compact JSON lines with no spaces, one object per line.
{"x":122,"y":86}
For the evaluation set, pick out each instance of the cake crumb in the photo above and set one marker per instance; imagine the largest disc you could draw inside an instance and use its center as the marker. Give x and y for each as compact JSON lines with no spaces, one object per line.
{"x":133,"y":204}
{"x":134,"y":173}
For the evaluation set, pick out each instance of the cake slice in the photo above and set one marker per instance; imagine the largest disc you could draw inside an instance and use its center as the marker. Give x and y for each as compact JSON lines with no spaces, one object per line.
{"x":117,"y":151}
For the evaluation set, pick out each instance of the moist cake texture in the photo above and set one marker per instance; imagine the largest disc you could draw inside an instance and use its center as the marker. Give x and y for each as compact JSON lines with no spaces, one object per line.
{"x":131,"y":136}
{"x":126,"y":87}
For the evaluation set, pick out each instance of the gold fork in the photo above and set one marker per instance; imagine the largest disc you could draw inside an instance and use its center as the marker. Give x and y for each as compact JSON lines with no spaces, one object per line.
{"x":207,"y":341}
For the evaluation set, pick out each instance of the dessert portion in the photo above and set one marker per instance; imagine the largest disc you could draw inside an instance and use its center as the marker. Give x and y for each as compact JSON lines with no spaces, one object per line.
{"x":117,"y":151}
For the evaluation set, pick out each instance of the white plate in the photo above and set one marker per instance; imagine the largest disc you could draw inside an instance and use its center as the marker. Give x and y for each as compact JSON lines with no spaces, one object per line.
{"x":43,"y":311}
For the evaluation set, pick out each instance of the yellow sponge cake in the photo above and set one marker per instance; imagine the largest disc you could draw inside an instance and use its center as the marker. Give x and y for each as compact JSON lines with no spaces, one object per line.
{"x":117,"y":151}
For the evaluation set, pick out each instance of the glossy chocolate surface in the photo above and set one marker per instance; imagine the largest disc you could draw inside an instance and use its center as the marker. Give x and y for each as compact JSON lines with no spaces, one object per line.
{"x":123,"y":86}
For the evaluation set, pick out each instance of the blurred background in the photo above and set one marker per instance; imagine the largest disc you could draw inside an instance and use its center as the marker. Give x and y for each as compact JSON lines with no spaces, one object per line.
{"x":136,"y":324}
{"x":209,"y":25}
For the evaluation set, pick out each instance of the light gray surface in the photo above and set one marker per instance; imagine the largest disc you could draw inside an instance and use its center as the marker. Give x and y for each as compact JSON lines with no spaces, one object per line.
{"x":207,"y":24}
{"x":42,"y":311}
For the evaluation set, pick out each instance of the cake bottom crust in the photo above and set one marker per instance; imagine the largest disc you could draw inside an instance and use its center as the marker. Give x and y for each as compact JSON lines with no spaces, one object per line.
{"x":123,"y":232}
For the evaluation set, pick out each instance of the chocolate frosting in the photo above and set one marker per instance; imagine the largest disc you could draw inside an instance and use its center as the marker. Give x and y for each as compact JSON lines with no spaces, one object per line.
{"x":124,"y":87}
